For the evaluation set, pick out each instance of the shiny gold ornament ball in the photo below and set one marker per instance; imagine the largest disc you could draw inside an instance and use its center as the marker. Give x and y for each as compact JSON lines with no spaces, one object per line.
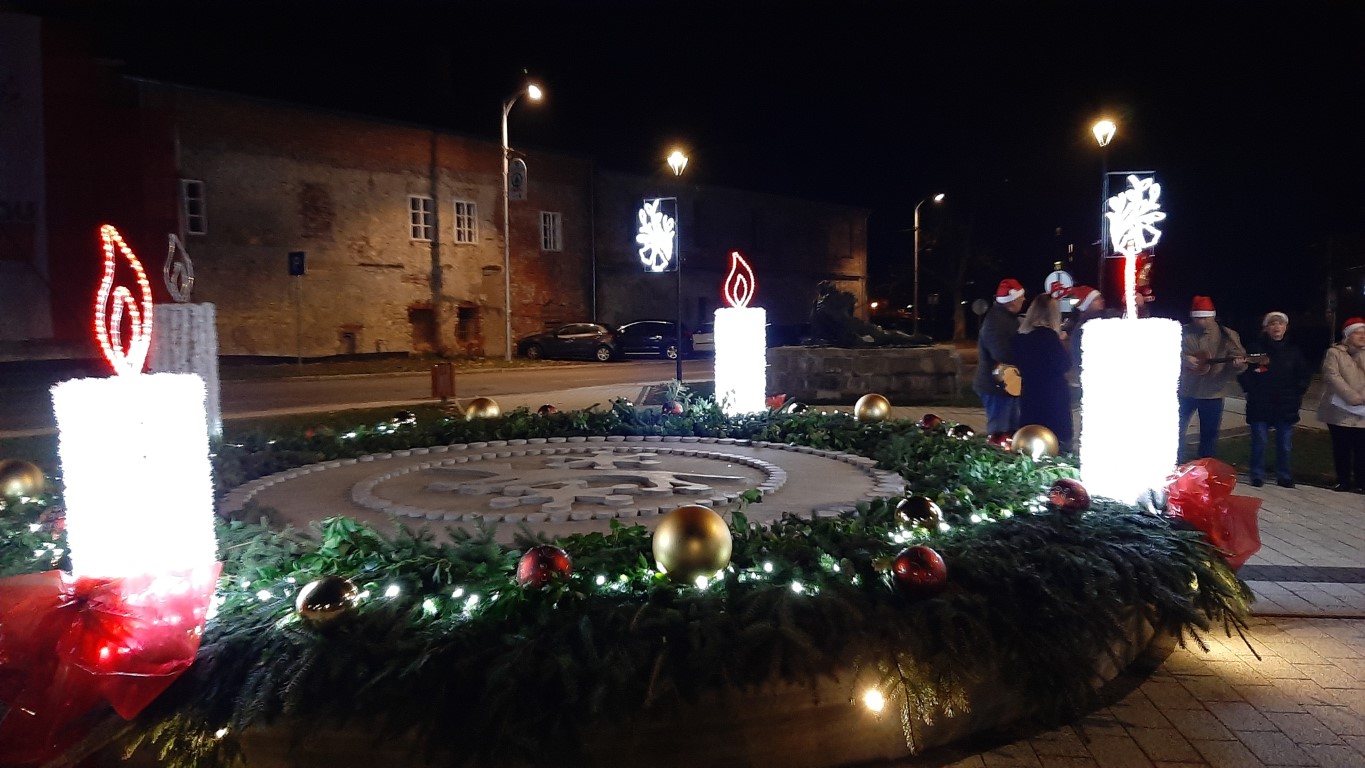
{"x":21,"y":478}
{"x":692,"y":541}
{"x":871,"y":407}
{"x":1035,"y":440}
{"x":326,"y":600}
{"x":482,"y":408}
{"x":920,"y":512}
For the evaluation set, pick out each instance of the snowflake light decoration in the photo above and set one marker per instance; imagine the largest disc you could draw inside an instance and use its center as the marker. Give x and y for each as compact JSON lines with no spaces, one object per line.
{"x":1133,"y":215}
{"x":657,"y":236}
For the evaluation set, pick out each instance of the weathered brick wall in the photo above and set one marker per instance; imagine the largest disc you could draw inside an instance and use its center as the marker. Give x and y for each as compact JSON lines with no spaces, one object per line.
{"x":834,"y":374}
{"x":281,"y":179}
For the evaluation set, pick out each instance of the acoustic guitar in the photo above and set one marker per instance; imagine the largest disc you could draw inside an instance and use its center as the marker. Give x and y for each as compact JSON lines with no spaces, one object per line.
{"x":1206,"y":362}
{"x":1007,"y":376}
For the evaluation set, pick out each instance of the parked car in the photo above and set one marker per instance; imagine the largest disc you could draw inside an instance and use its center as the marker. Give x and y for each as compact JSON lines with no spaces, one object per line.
{"x":574,"y":340}
{"x":704,"y":339}
{"x":652,"y":337}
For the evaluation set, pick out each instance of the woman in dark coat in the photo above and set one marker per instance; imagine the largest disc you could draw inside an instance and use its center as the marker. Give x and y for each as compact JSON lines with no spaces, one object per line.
{"x":1274,"y":392}
{"x":1043,"y":362}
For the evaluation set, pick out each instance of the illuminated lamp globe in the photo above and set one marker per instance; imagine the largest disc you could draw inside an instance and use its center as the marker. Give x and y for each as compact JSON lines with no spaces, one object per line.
{"x":1069,"y":495}
{"x":692,"y":541}
{"x":327,"y":599}
{"x":871,"y":408}
{"x":1035,"y":440}
{"x":482,"y":408}
{"x":21,"y":478}
{"x":920,"y":512}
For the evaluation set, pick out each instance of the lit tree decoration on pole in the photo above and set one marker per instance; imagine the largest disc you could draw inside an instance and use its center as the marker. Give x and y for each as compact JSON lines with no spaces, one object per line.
{"x":657,"y":236}
{"x":1130,"y":413}
{"x":741,"y":344}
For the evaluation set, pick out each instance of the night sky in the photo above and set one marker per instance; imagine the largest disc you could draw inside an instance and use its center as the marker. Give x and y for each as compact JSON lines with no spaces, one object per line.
{"x":1252,"y":114}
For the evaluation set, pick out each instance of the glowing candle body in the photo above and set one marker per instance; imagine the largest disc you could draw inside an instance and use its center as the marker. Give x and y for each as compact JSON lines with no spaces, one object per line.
{"x":1130,"y":423}
{"x":741,"y":359}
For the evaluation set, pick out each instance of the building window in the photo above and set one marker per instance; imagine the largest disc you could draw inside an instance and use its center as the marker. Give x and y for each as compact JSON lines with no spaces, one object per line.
{"x":466,"y":222}
{"x":192,"y":205}
{"x":421,"y":218}
{"x":551,"y":231}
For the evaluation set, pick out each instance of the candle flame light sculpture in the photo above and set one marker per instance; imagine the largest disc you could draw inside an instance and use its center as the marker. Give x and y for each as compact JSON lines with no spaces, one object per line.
{"x":139,"y":519}
{"x":741,"y":344}
{"x":1129,"y":413}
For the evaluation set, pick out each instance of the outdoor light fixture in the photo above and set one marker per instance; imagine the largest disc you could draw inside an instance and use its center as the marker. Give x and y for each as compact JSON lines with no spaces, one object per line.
{"x":678,"y":162}
{"x":1104,"y":132}
{"x":741,"y":345}
{"x":533,"y":93}
{"x":1130,"y":426}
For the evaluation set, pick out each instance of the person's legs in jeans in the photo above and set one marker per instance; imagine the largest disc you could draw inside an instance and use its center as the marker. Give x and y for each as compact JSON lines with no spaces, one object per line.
{"x":1357,"y":437}
{"x":1210,"y":419}
{"x":1259,"y":430}
{"x":1341,"y":454}
{"x":1187,"y":408}
{"x":1284,"y":449}
{"x":998,"y":409}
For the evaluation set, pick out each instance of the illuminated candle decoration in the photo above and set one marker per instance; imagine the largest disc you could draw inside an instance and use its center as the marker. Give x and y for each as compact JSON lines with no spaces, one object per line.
{"x":741,"y":344}
{"x":657,"y":235}
{"x":1130,"y":371}
{"x":134,"y":450}
{"x":186,"y":340}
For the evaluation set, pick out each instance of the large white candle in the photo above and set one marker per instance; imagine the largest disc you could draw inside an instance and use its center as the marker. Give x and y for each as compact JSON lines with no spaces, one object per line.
{"x":741,"y":344}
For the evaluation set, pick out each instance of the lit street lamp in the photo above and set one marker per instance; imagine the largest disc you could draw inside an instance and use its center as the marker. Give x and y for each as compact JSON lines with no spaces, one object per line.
{"x":678,"y":162}
{"x":1104,"y":133}
{"x":937,"y":199}
{"x":534,"y":93}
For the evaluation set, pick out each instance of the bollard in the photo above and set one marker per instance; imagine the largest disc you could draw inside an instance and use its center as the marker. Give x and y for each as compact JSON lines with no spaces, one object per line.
{"x":443,"y":381}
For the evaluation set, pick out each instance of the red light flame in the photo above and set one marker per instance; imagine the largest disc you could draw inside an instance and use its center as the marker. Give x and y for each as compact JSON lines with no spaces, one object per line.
{"x":739,"y":284}
{"x":109,"y":323}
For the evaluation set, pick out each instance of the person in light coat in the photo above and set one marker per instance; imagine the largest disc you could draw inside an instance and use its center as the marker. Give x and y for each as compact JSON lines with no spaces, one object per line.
{"x":1342,"y":407}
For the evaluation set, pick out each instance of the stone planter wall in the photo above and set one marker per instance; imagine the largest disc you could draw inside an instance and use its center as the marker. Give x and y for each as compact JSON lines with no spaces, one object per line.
{"x":842,"y":375}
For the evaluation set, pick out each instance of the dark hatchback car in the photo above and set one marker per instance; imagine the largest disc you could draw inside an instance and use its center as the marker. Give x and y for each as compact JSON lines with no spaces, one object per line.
{"x":585,"y":340}
{"x":652,"y":337}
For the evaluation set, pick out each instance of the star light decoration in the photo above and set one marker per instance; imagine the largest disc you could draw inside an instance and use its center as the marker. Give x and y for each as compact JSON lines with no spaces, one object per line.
{"x":1133,"y":215}
{"x":657,"y":236}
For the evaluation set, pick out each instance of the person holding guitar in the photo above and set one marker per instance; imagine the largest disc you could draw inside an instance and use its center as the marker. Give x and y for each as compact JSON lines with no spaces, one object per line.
{"x":996,"y":380}
{"x":1212,"y":356}
{"x":1275,"y":381}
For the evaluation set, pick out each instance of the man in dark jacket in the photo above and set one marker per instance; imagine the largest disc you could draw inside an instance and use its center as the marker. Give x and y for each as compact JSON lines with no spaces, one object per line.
{"x":995,"y":347}
{"x":1274,"y":392}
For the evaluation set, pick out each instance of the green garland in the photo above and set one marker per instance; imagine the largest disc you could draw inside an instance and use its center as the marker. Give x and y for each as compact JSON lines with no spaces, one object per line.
{"x":447,"y":647}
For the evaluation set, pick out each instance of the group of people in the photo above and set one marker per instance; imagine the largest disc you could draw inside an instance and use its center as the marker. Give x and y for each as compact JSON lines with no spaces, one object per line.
{"x":1272,"y":372}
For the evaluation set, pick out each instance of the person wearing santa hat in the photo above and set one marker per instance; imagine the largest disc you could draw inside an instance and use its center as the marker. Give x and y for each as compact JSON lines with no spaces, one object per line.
{"x":995,"y":347}
{"x":1274,"y":387}
{"x":1089,"y":305}
{"x":1342,"y":407}
{"x":1213,"y":356}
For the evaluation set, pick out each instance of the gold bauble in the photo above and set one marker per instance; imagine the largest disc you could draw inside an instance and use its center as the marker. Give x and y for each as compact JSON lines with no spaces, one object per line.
{"x":692,"y":541}
{"x":920,"y":512}
{"x":326,"y":599}
{"x":1035,"y":440}
{"x":482,"y":408}
{"x":871,"y":407}
{"x":21,"y":478}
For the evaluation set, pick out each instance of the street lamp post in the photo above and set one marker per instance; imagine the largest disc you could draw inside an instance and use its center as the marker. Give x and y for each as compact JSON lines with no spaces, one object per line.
{"x":534,"y":93}
{"x":678,"y":162}
{"x":1104,"y":133}
{"x":915,"y":301}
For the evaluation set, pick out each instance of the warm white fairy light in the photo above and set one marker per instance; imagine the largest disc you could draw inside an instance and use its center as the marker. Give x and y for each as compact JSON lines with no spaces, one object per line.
{"x":1130,"y":413}
{"x":393,"y":591}
{"x":600,"y":580}
{"x":874,"y":700}
{"x":741,"y":344}
{"x":767,"y":567}
{"x":429,"y":606}
{"x":702,"y":582}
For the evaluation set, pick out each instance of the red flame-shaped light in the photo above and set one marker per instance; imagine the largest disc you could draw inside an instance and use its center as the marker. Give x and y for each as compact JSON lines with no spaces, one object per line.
{"x":739,"y":284}
{"x":109,"y":322}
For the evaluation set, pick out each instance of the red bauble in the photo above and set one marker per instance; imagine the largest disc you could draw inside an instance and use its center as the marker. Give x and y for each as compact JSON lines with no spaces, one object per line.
{"x":540,"y":565}
{"x":919,"y":572}
{"x":547,"y":409}
{"x":930,"y":421}
{"x":672,"y":408}
{"x":1002,"y":440}
{"x":1068,"y":494}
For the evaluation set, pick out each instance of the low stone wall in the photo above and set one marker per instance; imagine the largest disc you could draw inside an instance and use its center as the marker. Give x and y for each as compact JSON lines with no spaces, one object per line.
{"x":838,"y":374}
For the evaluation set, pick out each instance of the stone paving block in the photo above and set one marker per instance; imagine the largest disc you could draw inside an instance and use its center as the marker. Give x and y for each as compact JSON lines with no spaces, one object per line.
{"x":1303,"y":728}
{"x":1062,"y":742}
{"x":1117,"y":752}
{"x":1209,"y":689}
{"x":1274,"y":748}
{"x":1269,"y":698}
{"x":1067,"y":761}
{"x":1227,"y":754}
{"x":1137,"y":711}
{"x":1335,"y":756}
{"x":1329,"y":676}
{"x":1239,"y":716}
{"x":1202,"y":725}
{"x":1341,"y":720}
{"x":1016,"y":755}
{"x":1164,"y":744}
{"x":1169,"y":695}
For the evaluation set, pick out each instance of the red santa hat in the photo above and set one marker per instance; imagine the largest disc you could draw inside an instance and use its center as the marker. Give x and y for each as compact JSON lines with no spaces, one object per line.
{"x":1202,"y":307}
{"x":1009,"y":290}
{"x":1085,"y":296}
{"x":1352,"y":323}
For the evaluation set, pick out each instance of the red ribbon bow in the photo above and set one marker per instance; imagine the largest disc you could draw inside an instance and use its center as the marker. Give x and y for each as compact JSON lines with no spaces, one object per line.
{"x":68,"y":644}
{"x":1200,"y":492}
